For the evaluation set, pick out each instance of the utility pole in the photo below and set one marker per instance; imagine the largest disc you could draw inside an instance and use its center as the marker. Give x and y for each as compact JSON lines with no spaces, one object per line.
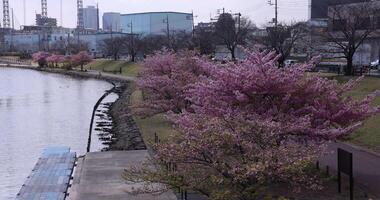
{"x":168,"y":30}
{"x":132,"y":43}
{"x":13,"y":26}
{"x":61,"y":12}
{"x":97,"y":17}
{"x":24,"y":3}
{"x":13,"y":20}
{"x":275,"y":4}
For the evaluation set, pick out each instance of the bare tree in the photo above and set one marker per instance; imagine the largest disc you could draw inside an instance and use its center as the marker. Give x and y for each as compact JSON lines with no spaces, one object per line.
{"x":283,"y":38}
{"x":204,"y":40}
{"x":180,"y":40}
{"x":114,"y":46}
{"x":232,"y":32}
{"x":68,"y":46}
{"x":349,"y":26}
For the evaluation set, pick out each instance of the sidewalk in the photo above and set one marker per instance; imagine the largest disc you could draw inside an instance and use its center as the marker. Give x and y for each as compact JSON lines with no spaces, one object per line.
{"x":366,"y":166}
{"x":98,"y":176}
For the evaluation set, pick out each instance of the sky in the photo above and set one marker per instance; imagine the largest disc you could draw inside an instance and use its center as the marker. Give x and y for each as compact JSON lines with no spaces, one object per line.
{"x":259,"y":11}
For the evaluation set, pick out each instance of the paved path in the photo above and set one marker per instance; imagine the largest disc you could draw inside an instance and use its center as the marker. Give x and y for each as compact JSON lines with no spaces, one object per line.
{"x":366,"y":166}
{"x":98,"y":177}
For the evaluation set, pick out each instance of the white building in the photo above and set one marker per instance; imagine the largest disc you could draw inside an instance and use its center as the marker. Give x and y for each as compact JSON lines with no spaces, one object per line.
{"x":157,"y":23}
{"x":90,"y":18}
{"x":111,"y":22}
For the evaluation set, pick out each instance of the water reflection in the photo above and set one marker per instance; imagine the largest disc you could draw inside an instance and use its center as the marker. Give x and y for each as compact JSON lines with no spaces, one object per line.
{"x":39,"y":109}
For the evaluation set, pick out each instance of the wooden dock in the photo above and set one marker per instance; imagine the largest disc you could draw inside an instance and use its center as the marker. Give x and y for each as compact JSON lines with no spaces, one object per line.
{"x":51,"y":175}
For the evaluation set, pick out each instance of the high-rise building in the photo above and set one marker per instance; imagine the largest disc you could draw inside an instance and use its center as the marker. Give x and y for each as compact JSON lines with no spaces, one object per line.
{"x":319,"y":8}
{"x":90,"y":18}
{"x":112,"y":22}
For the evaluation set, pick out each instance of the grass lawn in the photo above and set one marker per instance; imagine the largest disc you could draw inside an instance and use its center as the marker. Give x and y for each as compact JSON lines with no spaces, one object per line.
{"x":128,"y":68}
{"x":369,"y":135}
{"x":156,"y":124}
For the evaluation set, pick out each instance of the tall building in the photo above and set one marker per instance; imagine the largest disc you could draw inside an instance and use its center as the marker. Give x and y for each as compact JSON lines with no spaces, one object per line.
{"x":157,"y":23}
{"x":319,"y":8}
{"x":111,"y":22}
{"x":90,"y":18}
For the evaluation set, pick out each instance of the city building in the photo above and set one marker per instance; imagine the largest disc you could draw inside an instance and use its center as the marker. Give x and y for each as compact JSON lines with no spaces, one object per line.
{"x":90,"y":18}
{"x":34,"y":38}
{"x":157,"y":23}
{"x":45,"y":21}
{"x":111,"y":22}
{"x":319,"y":8}
{"x":323,"y":22}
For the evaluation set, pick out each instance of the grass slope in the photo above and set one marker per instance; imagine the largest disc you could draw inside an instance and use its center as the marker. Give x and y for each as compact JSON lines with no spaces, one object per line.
{"x":369,"y":135}
{"x":128,"y":68}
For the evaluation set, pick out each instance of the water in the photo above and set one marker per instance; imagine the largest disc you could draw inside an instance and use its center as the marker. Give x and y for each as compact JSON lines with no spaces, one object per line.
{"x":37,"y":110}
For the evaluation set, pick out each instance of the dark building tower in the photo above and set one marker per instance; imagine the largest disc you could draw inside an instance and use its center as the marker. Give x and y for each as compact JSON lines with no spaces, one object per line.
{"x":318,"y":8}
{"x":45,"y":21}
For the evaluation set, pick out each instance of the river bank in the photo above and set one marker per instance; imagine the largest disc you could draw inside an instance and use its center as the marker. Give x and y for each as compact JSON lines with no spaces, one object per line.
{"x":125,"y":131}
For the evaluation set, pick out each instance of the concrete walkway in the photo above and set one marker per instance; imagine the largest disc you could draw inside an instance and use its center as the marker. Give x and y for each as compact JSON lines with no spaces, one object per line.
{"x":98,"y":177}
{"x":366,"y":166}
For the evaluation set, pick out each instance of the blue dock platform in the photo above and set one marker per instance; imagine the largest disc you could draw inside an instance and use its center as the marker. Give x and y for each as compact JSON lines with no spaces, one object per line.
{"x":50,"y":178}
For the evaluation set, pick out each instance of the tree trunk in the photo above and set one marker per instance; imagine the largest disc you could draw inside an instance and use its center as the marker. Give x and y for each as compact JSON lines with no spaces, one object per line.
{"x":133,"y":57}
{"x":81,"y":67}
{"x":349,"y":68}
{"x":233,"y":56}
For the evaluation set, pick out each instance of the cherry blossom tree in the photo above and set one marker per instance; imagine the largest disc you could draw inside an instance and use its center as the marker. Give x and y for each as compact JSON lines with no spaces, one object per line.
{"x":81,"y":59}
{"x":67,"y":62}
{"x":253,"y":125}
{"x":165,"y":78}
{"x":55,"y":59}
{"x":41,"y":58}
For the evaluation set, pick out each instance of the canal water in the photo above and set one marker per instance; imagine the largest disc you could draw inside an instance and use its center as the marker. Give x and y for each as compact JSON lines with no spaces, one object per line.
{"x":39,"y":109}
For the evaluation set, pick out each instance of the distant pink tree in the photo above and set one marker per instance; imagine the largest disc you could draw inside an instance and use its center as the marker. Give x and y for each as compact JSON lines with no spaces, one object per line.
{"x":54,"y":59}
{"x":81,"y":59}
{"x":165,"y":78}
{"x":41,"y":58}
{"x":252,"y":126}
{"x":67,"y":62}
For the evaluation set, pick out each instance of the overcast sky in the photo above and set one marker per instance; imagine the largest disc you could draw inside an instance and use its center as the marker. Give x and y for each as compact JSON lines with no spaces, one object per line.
{"x":258,"y":10}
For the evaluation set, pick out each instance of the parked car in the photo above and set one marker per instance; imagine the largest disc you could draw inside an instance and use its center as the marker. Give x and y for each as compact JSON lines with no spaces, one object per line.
{"x":375,"y":64}
{"x":289,"y":62}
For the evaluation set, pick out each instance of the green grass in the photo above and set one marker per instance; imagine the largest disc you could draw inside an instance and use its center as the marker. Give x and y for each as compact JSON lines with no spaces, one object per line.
{"x":369,"y":135}
{"x":156,"y":124}
{"x":128,"y":68}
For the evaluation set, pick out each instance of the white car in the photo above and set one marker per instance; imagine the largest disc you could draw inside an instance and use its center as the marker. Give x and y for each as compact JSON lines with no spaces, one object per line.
{"x":289,"y":62}
{"x":375,"y":64}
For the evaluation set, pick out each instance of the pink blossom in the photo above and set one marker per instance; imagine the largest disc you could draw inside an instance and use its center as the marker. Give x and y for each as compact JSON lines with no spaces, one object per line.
{"x":41,"y":58}
{"x":246,"y":125}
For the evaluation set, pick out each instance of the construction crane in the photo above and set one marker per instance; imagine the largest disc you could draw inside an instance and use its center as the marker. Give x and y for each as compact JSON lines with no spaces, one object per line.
{"x":44,"y":8}
{"x":80,"y":23}
{"x":6,"y":18}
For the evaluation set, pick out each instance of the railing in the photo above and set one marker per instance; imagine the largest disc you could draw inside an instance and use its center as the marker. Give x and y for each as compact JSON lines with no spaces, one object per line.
{"x":15,"y":61}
